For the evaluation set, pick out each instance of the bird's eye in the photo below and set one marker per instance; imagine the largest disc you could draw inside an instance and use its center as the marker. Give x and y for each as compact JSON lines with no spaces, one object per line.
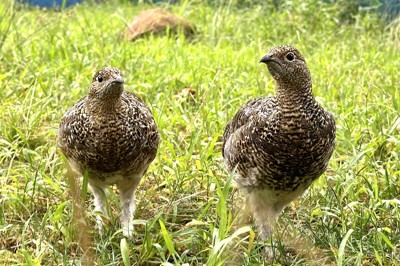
{"x":99,"y":79}
{"x":290,"y":56}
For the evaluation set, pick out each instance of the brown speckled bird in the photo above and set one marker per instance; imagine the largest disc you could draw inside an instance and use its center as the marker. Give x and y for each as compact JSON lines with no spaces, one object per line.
{"x":112,"y":134}
{"x":277,"y":146}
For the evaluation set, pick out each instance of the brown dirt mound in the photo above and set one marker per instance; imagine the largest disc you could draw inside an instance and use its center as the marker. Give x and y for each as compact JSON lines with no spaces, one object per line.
{"x":157,"y":21}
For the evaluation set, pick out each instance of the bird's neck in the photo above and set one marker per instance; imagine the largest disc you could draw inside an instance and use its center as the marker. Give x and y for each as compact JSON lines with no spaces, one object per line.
{"x":294,"y":96}
{"x":104,"y":106}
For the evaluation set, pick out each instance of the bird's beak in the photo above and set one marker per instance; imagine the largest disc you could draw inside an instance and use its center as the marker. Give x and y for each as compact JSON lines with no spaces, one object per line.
{"x":266,"y":59}
{"x":119,"y":80}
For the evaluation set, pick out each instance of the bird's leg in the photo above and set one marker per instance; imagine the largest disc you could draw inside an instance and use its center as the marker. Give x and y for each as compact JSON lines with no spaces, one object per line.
{"x":99,"y":205}
{"x":128,"y":205}
{"x":266,"y":208}
{"x":263,"y":207}
{"x":266,"y":230}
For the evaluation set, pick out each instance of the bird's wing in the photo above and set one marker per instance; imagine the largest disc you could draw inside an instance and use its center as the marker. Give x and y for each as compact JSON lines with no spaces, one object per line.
{"x":143,"y":134}
{"x":143,"y":119}
{"x":70,"y":126}
{"x":251,"y":113}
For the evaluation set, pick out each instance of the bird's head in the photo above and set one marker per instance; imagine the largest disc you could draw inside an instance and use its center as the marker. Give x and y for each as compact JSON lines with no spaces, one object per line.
{"x":287,"y":66}
{"x":107,"y":83}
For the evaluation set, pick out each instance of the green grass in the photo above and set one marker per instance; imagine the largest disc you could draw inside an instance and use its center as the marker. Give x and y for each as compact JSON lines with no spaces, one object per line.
{"x":187,"y":208}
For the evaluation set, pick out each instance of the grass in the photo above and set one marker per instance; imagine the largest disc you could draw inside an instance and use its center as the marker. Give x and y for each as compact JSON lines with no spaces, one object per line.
{"x":187,"y":209}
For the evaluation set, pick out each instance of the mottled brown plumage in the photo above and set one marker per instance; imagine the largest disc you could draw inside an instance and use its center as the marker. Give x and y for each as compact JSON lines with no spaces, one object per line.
{"x":112,"y":134}
{"x":277,"y":146}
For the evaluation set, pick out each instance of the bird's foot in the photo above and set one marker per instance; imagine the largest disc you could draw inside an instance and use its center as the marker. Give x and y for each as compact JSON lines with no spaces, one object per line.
{"x":266,"y":231}
{"x":128,"y":231}
{"x":273,"y":248}
{"x":272,"y":252}
{"x":100,"y":224}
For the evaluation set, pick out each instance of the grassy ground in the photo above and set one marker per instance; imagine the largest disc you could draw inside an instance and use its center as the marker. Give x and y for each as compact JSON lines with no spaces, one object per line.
{"x":187,"y":208}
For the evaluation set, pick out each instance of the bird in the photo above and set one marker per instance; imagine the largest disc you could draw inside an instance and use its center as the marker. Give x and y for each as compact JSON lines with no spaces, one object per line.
{"x":276,"y":146}
{"x":111,"y":135}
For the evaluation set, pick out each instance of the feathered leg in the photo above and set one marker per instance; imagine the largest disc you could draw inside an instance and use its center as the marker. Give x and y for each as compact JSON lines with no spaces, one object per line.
{"x":265,"y":209}
{"x":100,"y":202}
{"x":128,"y":204}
